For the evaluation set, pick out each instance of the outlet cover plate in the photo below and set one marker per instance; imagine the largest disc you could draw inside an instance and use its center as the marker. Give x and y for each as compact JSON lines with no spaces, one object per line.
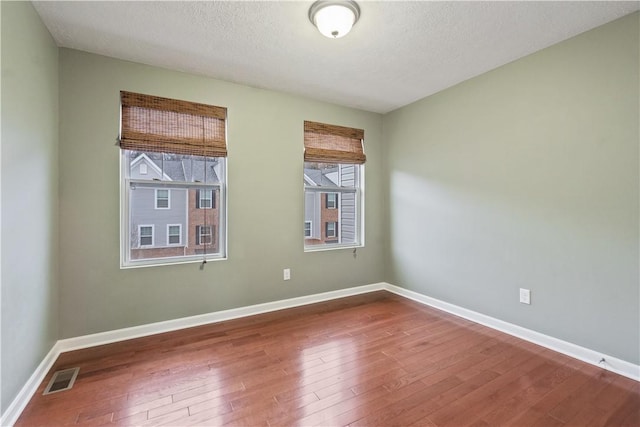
{"x":525,"y":296}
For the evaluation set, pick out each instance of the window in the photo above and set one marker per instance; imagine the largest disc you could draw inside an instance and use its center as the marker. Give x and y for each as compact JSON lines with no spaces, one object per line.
{"x":174,"y":234}
{"x":181,"y":187}
{"x":331,"y":229}
{"x":333,"y":186}
{"x":331,"y":200}
{"x":162,"y":199}
{"x":203,"y":235}
{"x":205,"y":199}
{"x":146,"y":235}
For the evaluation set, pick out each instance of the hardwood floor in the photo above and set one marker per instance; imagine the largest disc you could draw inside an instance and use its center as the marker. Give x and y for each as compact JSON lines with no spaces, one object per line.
{"x":369,"y":360}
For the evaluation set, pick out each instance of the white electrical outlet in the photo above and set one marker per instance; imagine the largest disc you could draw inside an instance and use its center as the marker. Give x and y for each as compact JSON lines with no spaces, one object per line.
{"x":525,"y":296}
{"x":286,"y":273}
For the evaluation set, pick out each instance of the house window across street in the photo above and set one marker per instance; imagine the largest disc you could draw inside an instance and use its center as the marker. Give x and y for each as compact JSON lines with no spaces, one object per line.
{"x":146,"y":235}
{"x":331,"y":229}
{"x":162,"y":198}
{"x":331,"y":200}
{"x":203,"y":235}
{"x":174,"y":234}
{"x":205,"y":199}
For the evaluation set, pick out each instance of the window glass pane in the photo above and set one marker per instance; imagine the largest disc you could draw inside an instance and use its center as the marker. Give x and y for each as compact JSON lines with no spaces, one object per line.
{"x":204,"y":169}
{"x":163,"y":216}
{"x":162,"y":199}
{"x":331,"y":175}
{"x":146,"y":236}
{"x":145,"y":165}
{"x":334,"y":215}
{"x":204,"y":235}
{"x":206,"y":198}
{"x":332,"y":200}
{"x":173,"y":167}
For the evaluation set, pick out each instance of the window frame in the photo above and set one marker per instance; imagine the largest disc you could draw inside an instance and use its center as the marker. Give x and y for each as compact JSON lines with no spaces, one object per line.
{"x":334,"y":204}
{"x":156,"y":199}
{"x":334,"y":235}
{"x":140,"y":227}
{"x":211,"y":199}
{"x":169,"y":235}
{"x":199,"y":234}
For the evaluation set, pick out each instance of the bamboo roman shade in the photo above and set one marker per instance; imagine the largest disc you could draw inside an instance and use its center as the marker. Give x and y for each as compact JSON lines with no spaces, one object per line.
{"x":333,"y":144}
{"x":151,"y":123}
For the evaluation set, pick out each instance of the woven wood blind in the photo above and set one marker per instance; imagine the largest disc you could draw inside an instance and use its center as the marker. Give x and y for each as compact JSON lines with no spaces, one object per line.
{"x":333,"y":144}
{"x":151,"y":123}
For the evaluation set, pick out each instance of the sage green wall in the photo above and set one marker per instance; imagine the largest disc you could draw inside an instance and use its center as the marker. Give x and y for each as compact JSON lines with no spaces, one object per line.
{"x":527,"y":176}
{"x":265,"y":201}
{"x":29,"y":152}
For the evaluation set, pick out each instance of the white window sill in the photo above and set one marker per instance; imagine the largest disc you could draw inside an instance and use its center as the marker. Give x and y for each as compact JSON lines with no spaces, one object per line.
{"x":321,"y":248}
{"x":168,"y":261}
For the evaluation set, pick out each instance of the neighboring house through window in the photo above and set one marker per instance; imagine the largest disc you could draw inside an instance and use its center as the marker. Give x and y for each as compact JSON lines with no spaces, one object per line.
{"x":173,"y":190}
{"x":307,"y":228}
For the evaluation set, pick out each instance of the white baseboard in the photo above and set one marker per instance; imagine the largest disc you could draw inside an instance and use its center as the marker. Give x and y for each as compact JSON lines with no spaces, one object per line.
{"x":10,"y":416}
{"x":204,"y":319}
{"x":592,"y":357}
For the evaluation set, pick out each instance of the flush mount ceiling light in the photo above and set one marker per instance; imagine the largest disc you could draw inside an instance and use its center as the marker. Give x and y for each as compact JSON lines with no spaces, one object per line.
{"x":334,"y":18}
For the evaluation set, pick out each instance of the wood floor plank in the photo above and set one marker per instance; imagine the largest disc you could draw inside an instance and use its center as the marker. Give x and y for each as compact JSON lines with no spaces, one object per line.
{"x":353,"y":409}
{"x":375,"y":359}
{"x":523,"y":400}
{"x":581,"y":398}
{"x":403,"y":412}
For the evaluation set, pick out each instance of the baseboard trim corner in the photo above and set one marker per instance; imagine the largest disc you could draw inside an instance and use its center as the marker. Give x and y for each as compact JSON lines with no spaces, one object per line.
{"x":13,"y":411}
{"x":592,"y":357}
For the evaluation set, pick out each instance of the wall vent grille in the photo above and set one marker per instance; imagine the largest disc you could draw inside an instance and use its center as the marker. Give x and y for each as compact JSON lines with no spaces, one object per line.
{"x":62,"y":380}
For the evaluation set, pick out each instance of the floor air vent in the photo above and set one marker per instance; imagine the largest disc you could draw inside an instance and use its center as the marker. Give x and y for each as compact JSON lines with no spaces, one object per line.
{"x":62,"y":380}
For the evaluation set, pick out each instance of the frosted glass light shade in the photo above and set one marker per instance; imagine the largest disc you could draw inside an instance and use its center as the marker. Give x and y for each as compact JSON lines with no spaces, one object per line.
{"x":334,"y":19}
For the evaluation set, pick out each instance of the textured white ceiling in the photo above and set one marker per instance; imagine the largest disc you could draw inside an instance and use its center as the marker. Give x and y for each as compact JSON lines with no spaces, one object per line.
{"x":397,"y":53}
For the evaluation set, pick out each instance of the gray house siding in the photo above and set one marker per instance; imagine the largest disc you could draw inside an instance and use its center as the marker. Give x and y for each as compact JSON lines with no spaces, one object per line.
{"x":348,"y":217}
{"x":143,"y":204}
{"x":143,"y":212}
{"x":312,"y":207}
